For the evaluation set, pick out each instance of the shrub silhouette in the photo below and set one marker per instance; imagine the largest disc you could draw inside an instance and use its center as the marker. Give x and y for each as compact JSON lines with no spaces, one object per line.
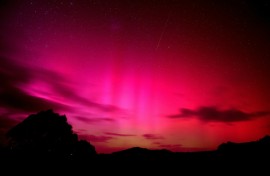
{"x":47,"y":135}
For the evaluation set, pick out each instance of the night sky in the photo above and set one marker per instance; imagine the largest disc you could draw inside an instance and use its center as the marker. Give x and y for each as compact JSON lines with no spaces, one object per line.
{"x":180,"y":75}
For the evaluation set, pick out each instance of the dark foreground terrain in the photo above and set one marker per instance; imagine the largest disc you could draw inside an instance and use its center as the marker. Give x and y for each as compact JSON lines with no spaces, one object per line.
{"x":45,"y":142}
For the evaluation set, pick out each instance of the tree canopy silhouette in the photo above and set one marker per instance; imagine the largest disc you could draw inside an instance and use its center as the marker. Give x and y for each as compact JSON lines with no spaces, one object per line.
{"x":48,"y":135}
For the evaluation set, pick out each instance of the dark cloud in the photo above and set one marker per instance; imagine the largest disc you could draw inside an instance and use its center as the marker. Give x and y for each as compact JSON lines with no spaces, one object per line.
{"x":94,"y":120}
{"x":152,"y":136}
{"x":156,"y":142}
{"x":170,"y":146}
{"x":119,"y":134}
{"x":62,"y":88}
{"x":14,"y":96}
{"x":94,"y":138}
{"x":184,"y":112}
{"x":213,"y":114}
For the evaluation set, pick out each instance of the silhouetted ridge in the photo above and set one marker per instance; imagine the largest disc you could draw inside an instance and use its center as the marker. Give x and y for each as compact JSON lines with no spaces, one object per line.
{"x":265,"y":140}
{"x":259,"y":148}
{"x":139,"y":150}
{"x":47,"y":135}
{"x":133,"y":150}
{"x":142,"y":154}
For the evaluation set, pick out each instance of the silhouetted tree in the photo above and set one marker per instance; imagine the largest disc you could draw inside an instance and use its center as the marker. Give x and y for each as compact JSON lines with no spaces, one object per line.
{"x":47,"y":135}
{"x":84,"y":151}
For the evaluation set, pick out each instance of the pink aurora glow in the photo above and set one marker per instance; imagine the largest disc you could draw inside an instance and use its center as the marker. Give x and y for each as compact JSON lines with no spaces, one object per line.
{"x":120,"y":76}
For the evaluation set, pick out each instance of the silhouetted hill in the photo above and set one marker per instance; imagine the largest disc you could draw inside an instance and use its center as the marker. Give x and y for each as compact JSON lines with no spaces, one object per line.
{"x":143,"y":154}
{"x":140,"y":151}
{"x":246,"y":152}
{"x":229,"y":156}
{"x":46,"y":139}
{"x":260,"y":146}
{"x":252,"y":148}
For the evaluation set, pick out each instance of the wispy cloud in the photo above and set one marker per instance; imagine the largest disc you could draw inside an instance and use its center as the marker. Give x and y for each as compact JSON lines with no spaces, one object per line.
{"x":152,"y":136}
{"x":213,"y":114}
{"x":119,"y":134}
{"x":178,"y":147}
{"x":94,"y":138}
{"x":94,"y":120}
